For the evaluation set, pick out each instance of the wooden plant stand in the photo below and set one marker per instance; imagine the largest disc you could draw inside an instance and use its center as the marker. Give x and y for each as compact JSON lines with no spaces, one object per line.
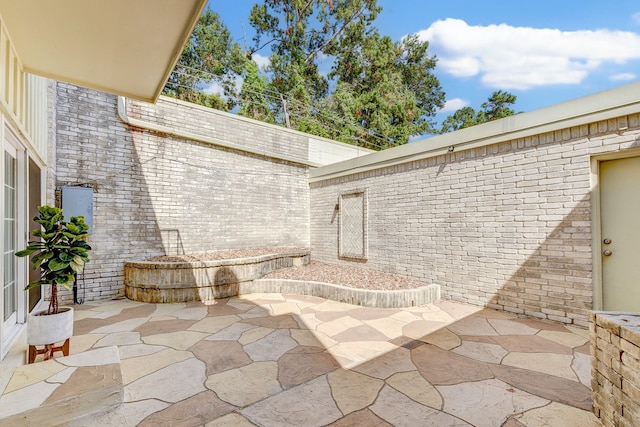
{"x":48,"y":351}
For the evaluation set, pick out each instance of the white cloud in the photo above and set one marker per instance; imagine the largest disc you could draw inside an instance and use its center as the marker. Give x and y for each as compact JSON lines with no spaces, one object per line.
{"x":454,"y":105}
{"x":507,"y":57}
{"x":262,"y":61}
{"x":623,"y":77}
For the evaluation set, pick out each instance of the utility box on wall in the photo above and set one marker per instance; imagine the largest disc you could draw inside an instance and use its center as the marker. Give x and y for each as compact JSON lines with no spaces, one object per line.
{"x":78,"y":201}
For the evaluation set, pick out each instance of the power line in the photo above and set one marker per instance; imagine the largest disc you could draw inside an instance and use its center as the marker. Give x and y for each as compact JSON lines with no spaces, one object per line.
{"x":276,"y":97}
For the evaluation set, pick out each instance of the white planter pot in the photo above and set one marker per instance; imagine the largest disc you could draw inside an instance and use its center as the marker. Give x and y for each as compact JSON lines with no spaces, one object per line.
{"x":45,"y":329}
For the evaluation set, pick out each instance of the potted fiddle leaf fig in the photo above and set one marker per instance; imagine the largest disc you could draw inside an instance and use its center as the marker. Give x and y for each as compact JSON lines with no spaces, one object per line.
{"x":60,"y":254}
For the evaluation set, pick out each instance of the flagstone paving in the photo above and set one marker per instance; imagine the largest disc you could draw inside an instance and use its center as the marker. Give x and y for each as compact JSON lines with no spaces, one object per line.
{"x":287,"y":360}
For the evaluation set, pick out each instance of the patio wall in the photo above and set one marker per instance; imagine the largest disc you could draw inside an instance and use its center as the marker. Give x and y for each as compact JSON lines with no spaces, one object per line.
{"x":158,"y":194}
{"x":504,"y":225}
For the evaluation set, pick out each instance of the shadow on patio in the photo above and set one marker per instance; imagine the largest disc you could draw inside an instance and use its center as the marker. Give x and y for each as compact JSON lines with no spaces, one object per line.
{"x":272,"y":359}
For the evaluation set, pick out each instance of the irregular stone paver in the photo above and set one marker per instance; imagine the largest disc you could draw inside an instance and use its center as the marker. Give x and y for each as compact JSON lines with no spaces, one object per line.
{"x":397,"y":360}
{"x":407,"y":370}
{"x":220,"y":356}
{"x":544,"y":325}
{"x":581,"y":365}
{"x":553,"y":364}
{"x":564,"y":338}
{"x":233,"y":332}
{"x":247,"y":384}
{"x":546,"y":386}
{"x":215,"y":324}
{"x":307,"y":338}
{"x":35,"y":394}
{"x":361,"y":418}
{"x":487,"y":403}
{"x":174,"y":383}
{"x":398,"y":410}
{"x":120,"y":338}
{"x":192,"y":313}
{"x":361,"y":351}
{"x":441,"y":367}
{"x":127,"y":414}
{"x":509,"y":327}
{"x":533,"y":344}
{"x":27,"y":375}
{"x":353,"y":391}
{"x":167,"y":309}
{"x":337,"y":326}
{"x":137,"y":350}
{"x":177,"y":340}
{"x":285,"y":308}
{"x":483,"y":352}
{"x":271,"y":347}
{"x":391,"y":328}
{"x":124,"y":326}
{"x":155,"y":326}
{"x":307,"y":405}
{"x":87,"y":379}
{"x":360,"y":333}
{"x":443,"y":338}
{"x":230,"y":420}
{"x":191,"y":412}
{"x":279,"y":322}
{"x":137,"y":367}
{"x":254,"y":334}
{"x":415,"y":387}
{"x":473,"y":326}
{"x":303,"y":364}
{"x":82,"y":343}
{"x":557,"y":414}
{"x":420,"y":328}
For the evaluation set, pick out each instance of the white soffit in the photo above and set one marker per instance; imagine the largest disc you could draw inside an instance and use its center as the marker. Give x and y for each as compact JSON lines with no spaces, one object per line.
{"x":125,"y":47}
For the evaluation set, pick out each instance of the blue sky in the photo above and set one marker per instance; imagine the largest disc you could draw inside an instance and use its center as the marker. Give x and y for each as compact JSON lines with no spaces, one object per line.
{"x":543,"y":51}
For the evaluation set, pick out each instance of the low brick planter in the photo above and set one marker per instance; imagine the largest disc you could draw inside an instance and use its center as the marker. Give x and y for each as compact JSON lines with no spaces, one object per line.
{"x":415,"y":297}
{"x":615,"y":351}
{"x":171,"y":282}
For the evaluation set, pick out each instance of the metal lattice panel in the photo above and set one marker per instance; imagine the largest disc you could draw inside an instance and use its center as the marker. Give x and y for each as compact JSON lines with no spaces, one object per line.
{"x":353,"y":225}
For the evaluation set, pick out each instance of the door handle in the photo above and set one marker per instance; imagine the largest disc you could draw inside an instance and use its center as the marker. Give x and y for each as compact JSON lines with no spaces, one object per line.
{"x":607,"y":253}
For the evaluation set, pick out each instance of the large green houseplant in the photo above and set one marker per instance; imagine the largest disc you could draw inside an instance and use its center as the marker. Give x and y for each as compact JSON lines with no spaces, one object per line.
{"x":60,"y":253}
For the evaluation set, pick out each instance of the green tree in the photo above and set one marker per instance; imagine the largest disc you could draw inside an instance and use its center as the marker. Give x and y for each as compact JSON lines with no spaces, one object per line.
{"x":254,"y":100}
{"x":496,"y":107}
{"x":209,"y":56}
{"x":378,"y":93}
{"x":394,"y":93}
{"x":298,"y":33}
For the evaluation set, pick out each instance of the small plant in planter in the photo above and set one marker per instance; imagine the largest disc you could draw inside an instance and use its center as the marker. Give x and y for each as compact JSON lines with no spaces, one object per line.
{"x":60,"y":254}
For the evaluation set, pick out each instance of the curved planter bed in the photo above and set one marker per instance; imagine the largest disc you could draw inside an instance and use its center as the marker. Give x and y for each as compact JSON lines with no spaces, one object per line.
{"x":171,"y":282}
{"x":414,"y":297}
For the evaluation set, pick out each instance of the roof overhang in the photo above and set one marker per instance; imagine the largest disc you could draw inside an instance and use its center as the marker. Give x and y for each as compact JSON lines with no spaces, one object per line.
{"x":125,"y":47}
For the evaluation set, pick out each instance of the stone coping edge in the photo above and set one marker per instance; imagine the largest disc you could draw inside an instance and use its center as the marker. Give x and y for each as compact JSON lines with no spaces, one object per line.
{"x":214,"y":263}
{"x":402,"y":298}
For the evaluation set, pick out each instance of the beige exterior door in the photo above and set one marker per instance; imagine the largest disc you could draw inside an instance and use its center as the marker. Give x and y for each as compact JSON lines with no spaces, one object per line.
{"x":620,"y":224}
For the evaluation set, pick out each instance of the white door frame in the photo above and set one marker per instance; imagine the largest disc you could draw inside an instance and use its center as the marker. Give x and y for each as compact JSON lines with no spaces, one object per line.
{"x":596,"y":226}
{"x":11,"y":143}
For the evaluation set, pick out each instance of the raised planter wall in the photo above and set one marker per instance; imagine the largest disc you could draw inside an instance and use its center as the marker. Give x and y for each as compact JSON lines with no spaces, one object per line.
{"x":615,"y":351}
{"x":171,"y":282}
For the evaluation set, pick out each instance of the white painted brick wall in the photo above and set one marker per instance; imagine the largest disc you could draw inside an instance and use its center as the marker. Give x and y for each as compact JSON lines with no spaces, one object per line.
{"x":506,"y":226}
{"x":157,"y":194}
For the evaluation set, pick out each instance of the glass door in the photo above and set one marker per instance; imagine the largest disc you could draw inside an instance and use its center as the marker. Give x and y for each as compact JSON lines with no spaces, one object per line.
{"x":10,"y":283}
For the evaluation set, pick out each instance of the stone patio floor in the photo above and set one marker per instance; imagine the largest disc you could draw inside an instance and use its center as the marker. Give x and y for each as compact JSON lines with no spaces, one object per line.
{"x":288,"y":360}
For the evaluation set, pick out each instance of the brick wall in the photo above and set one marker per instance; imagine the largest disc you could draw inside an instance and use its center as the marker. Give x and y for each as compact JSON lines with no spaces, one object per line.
{"x":506,"y":226}
{"x":155,"y":194}
{"x":615,"y":351}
